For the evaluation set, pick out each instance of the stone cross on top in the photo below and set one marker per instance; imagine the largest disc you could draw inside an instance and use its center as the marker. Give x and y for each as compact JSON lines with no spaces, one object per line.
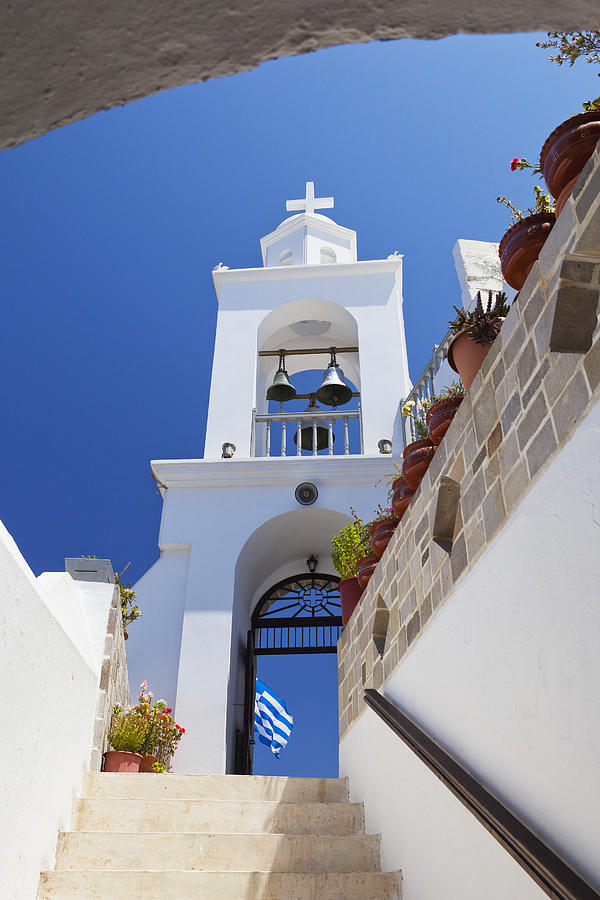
{"x":310,"y":202}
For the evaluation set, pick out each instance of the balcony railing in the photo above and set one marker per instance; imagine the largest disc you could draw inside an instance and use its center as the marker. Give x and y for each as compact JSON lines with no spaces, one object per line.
{"x":423,"y":387}
{"x":272,"y":430}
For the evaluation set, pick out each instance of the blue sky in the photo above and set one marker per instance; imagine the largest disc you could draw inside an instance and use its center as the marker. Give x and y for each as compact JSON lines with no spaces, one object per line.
{"x":111,"y":227}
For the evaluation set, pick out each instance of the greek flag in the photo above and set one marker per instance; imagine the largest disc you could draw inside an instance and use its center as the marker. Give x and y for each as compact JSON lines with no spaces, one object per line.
{"x":272,"y":721}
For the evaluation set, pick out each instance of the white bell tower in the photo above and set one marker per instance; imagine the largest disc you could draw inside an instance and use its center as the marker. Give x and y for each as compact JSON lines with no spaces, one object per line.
{"x":232,"y":525}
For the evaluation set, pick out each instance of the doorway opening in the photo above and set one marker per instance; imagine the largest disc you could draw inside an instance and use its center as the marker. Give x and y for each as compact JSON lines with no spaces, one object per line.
{"x":301,"y":614}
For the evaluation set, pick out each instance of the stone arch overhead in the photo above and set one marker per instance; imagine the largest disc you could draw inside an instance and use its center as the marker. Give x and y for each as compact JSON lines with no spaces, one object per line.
{"x":66,"y":60}
{"x":279,"y":548}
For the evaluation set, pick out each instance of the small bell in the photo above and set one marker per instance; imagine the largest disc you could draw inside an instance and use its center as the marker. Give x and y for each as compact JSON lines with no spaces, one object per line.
{"x":334,"y":391}
{"x":307,"y":430}
{"x":281,"y":390}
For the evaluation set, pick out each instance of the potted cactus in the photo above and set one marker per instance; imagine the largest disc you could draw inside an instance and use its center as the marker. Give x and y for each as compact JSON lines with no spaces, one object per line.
{"x":474,"y":332}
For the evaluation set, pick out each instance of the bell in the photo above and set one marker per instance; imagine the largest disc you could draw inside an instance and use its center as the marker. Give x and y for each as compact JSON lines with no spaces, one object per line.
{"x":281,"y":389}
{"x":307,"y":431}
{"x":334,"y":391}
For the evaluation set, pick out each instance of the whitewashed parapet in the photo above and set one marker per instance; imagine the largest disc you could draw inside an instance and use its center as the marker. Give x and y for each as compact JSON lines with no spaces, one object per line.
{"x":478,"y":268}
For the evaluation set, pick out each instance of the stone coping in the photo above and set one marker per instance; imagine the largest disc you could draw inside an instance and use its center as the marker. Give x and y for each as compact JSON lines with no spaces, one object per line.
{"x":538,"y":381}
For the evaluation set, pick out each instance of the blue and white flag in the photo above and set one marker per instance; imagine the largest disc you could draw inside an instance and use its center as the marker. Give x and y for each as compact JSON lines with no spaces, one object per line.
{"x":272,"y":722}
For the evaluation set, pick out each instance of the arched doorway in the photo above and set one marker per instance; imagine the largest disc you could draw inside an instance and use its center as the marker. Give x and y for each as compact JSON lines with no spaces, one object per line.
{"x":301,"y":614}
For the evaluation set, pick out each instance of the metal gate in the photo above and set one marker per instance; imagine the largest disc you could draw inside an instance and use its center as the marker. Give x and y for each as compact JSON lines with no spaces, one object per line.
{"x":297,"y":615}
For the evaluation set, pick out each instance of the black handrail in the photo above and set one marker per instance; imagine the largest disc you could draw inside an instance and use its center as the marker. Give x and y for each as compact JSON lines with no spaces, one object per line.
{"x":556,"y":878}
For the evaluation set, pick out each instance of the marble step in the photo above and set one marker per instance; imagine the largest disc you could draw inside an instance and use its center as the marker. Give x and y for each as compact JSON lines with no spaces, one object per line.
{"x":222,"y":885}
{"x":81,"y":850}
{"x":152,"y":786}
{"x":217,"y":816}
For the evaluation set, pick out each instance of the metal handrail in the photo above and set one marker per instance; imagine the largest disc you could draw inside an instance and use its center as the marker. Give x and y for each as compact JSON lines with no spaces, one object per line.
{"x":554,"y":876}
{"x":423,"y":386}
{"x":293,"y":417}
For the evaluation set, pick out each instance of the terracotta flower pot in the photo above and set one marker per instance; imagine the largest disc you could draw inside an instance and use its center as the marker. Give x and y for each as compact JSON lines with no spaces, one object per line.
{"x":465,"y":356}
{"x":147,"y":762}
{"x":122,"y":761}
{"x":440,"y":415}
{"x":382,"y":533}
{"x":350,"y":594}
{"x":402,"y":496}
{"x":366,"y":567}
{"x":564,"y":196}
{"x":521,"y":245}
{"x":417,"y":457}
{"x":567,"y":150}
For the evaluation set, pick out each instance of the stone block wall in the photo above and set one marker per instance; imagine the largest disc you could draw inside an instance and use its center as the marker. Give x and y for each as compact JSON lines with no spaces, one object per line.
{"x":538,"y":381}
{"x":114,"y":681}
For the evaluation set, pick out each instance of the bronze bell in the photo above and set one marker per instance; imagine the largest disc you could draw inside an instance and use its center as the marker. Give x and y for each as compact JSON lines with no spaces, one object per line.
{"x":334,"y":391}
{"x":307,"y":430}
{"x":281,"y":390}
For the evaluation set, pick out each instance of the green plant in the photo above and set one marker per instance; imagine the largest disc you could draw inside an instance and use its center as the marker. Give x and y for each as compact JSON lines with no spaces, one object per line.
{"x":348,"y":547}
{"x":408,"y":411}
{"x":543,"y":204}
{"x":453,"y":390}
{"x":390,"y":477}
{"x":483,"y":323}
{"x":129,"y":609}
{"x":571,"y":45}
{"x":128,"y":730}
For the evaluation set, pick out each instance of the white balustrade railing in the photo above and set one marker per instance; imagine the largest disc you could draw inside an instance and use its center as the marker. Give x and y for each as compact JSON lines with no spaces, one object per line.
{"x":300,"y":422}
{"x":423,"y":388}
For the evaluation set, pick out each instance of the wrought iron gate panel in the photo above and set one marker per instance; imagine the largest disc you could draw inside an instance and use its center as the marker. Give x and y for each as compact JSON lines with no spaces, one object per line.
{"x":311,"y":623}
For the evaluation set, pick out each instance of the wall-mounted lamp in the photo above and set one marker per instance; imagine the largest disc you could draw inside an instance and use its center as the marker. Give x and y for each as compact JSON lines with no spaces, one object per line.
{"x":228,"y":449}
{"x":311,"y":562}
{"x":384,"y":445}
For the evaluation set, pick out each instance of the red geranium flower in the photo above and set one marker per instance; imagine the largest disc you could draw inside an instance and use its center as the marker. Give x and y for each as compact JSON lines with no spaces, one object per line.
{"x":514,"y":163}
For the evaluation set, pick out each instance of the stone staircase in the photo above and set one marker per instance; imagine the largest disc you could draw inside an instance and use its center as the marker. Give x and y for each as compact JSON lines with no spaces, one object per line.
{"x":217,"y":836}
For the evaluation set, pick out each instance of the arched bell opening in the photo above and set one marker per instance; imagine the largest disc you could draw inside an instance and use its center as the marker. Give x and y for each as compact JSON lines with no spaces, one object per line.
{"x":308,"y":381}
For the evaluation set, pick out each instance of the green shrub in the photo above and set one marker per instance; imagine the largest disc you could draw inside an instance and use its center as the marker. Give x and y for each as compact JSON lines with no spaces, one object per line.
{"x":348,"y":547}
{"x":128,"y":730}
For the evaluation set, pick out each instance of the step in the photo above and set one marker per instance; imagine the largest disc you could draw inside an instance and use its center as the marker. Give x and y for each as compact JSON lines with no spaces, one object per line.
{"x":153,"y":786}
{"x":221,"y":885}
{"x":84,"y":850}
{"x":217,"y":816}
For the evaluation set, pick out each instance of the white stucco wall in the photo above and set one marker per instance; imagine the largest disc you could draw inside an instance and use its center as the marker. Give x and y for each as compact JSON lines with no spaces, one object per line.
{"x":426,"y":832}
{"x":245,"y":531}
{"x":506,"y":677}
{"x":370,"y":292}
{"x":50,"y":660}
